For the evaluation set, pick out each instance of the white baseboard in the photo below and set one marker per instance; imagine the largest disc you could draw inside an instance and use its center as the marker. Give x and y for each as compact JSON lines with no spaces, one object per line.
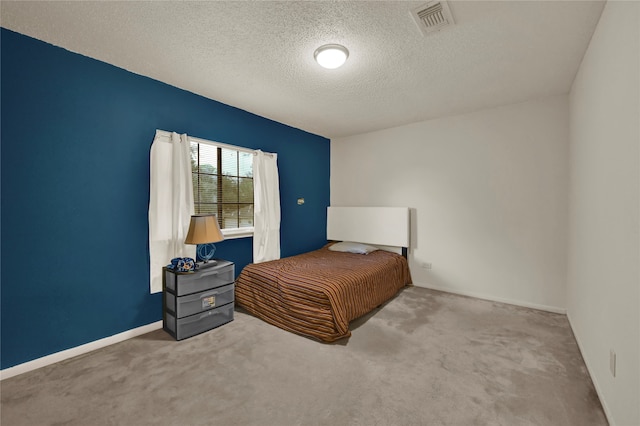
{"x":553,"y":309}
{"x":607,"y":411}
{"x":78,"y":350}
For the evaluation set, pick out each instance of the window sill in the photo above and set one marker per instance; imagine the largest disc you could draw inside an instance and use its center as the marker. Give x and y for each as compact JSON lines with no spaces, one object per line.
{"x":232,"y":234}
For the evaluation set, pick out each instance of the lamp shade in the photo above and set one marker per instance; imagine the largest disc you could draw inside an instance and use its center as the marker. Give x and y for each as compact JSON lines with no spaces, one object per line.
{"x":203,"y":229}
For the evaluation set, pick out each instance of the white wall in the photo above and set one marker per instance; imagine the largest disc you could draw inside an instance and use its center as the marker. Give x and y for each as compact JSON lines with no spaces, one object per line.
{"x":603,"y":297}
{"x":489,"y":191}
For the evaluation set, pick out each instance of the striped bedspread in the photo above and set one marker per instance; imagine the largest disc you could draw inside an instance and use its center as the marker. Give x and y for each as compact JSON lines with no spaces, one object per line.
{"x":317,"y":294}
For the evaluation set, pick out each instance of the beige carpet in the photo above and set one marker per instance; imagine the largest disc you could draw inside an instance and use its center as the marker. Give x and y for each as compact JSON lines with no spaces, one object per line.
{"x":425,"y":358}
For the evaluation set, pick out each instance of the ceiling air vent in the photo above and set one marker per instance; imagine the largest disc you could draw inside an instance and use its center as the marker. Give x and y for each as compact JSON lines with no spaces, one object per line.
{"x":432,"y":16}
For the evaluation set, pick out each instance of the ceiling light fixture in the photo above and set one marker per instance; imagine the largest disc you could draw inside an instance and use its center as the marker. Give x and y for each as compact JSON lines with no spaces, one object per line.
{"x":331,"y":56}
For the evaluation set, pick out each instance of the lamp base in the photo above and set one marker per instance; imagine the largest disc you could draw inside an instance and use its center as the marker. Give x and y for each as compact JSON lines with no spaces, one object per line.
{"x":206,"y":264}
{"x":205,"y":251}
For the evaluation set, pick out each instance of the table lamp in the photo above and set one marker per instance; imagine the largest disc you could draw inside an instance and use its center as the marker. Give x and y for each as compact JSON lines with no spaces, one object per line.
{"x":204,"y":231}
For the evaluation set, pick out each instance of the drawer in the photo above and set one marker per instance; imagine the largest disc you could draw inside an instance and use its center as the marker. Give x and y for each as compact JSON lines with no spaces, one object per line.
{"x":183,"y":306}
{"x":214,"y":276}
{"x":181,"y":328}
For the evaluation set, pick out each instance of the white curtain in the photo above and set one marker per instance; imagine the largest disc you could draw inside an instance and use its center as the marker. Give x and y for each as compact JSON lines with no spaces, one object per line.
{"x":266,"y":216}
{"x":170,"y":203}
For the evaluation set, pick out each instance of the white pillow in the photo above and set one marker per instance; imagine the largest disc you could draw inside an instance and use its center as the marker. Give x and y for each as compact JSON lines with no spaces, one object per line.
{"x":349,"y":247}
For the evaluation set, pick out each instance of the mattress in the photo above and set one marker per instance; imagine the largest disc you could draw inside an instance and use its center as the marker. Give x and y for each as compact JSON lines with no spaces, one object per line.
{"x":317,"y":294}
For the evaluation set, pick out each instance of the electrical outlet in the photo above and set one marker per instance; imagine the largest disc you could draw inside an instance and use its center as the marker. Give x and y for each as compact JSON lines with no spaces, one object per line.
{"x":612,"y":362}
{"x":426,"y":265}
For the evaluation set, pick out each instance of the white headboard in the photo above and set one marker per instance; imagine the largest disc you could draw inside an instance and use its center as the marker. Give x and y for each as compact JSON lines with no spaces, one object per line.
{"x":387,"y":226}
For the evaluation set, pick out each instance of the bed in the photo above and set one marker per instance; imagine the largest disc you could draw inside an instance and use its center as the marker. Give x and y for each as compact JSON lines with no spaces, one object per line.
{"x":317,"y":294}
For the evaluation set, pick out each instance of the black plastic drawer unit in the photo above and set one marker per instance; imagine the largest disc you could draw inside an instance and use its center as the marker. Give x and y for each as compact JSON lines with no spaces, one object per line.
{"x":198,"y":301}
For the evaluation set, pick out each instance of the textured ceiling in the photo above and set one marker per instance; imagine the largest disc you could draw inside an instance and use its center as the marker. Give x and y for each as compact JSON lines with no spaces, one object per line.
{"x":258,"y":56}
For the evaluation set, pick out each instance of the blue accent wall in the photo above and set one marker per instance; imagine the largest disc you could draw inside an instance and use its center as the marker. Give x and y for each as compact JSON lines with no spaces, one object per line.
{"x":75,"y":140}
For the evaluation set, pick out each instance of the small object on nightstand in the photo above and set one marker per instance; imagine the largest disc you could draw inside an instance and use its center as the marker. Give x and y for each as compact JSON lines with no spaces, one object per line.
{"x":182,"y":264}
{"x":195,"y":302}
{"x":204,"y":231}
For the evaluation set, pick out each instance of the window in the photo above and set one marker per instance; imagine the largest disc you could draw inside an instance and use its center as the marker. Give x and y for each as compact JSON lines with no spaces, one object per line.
{"x":223,"y":185}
